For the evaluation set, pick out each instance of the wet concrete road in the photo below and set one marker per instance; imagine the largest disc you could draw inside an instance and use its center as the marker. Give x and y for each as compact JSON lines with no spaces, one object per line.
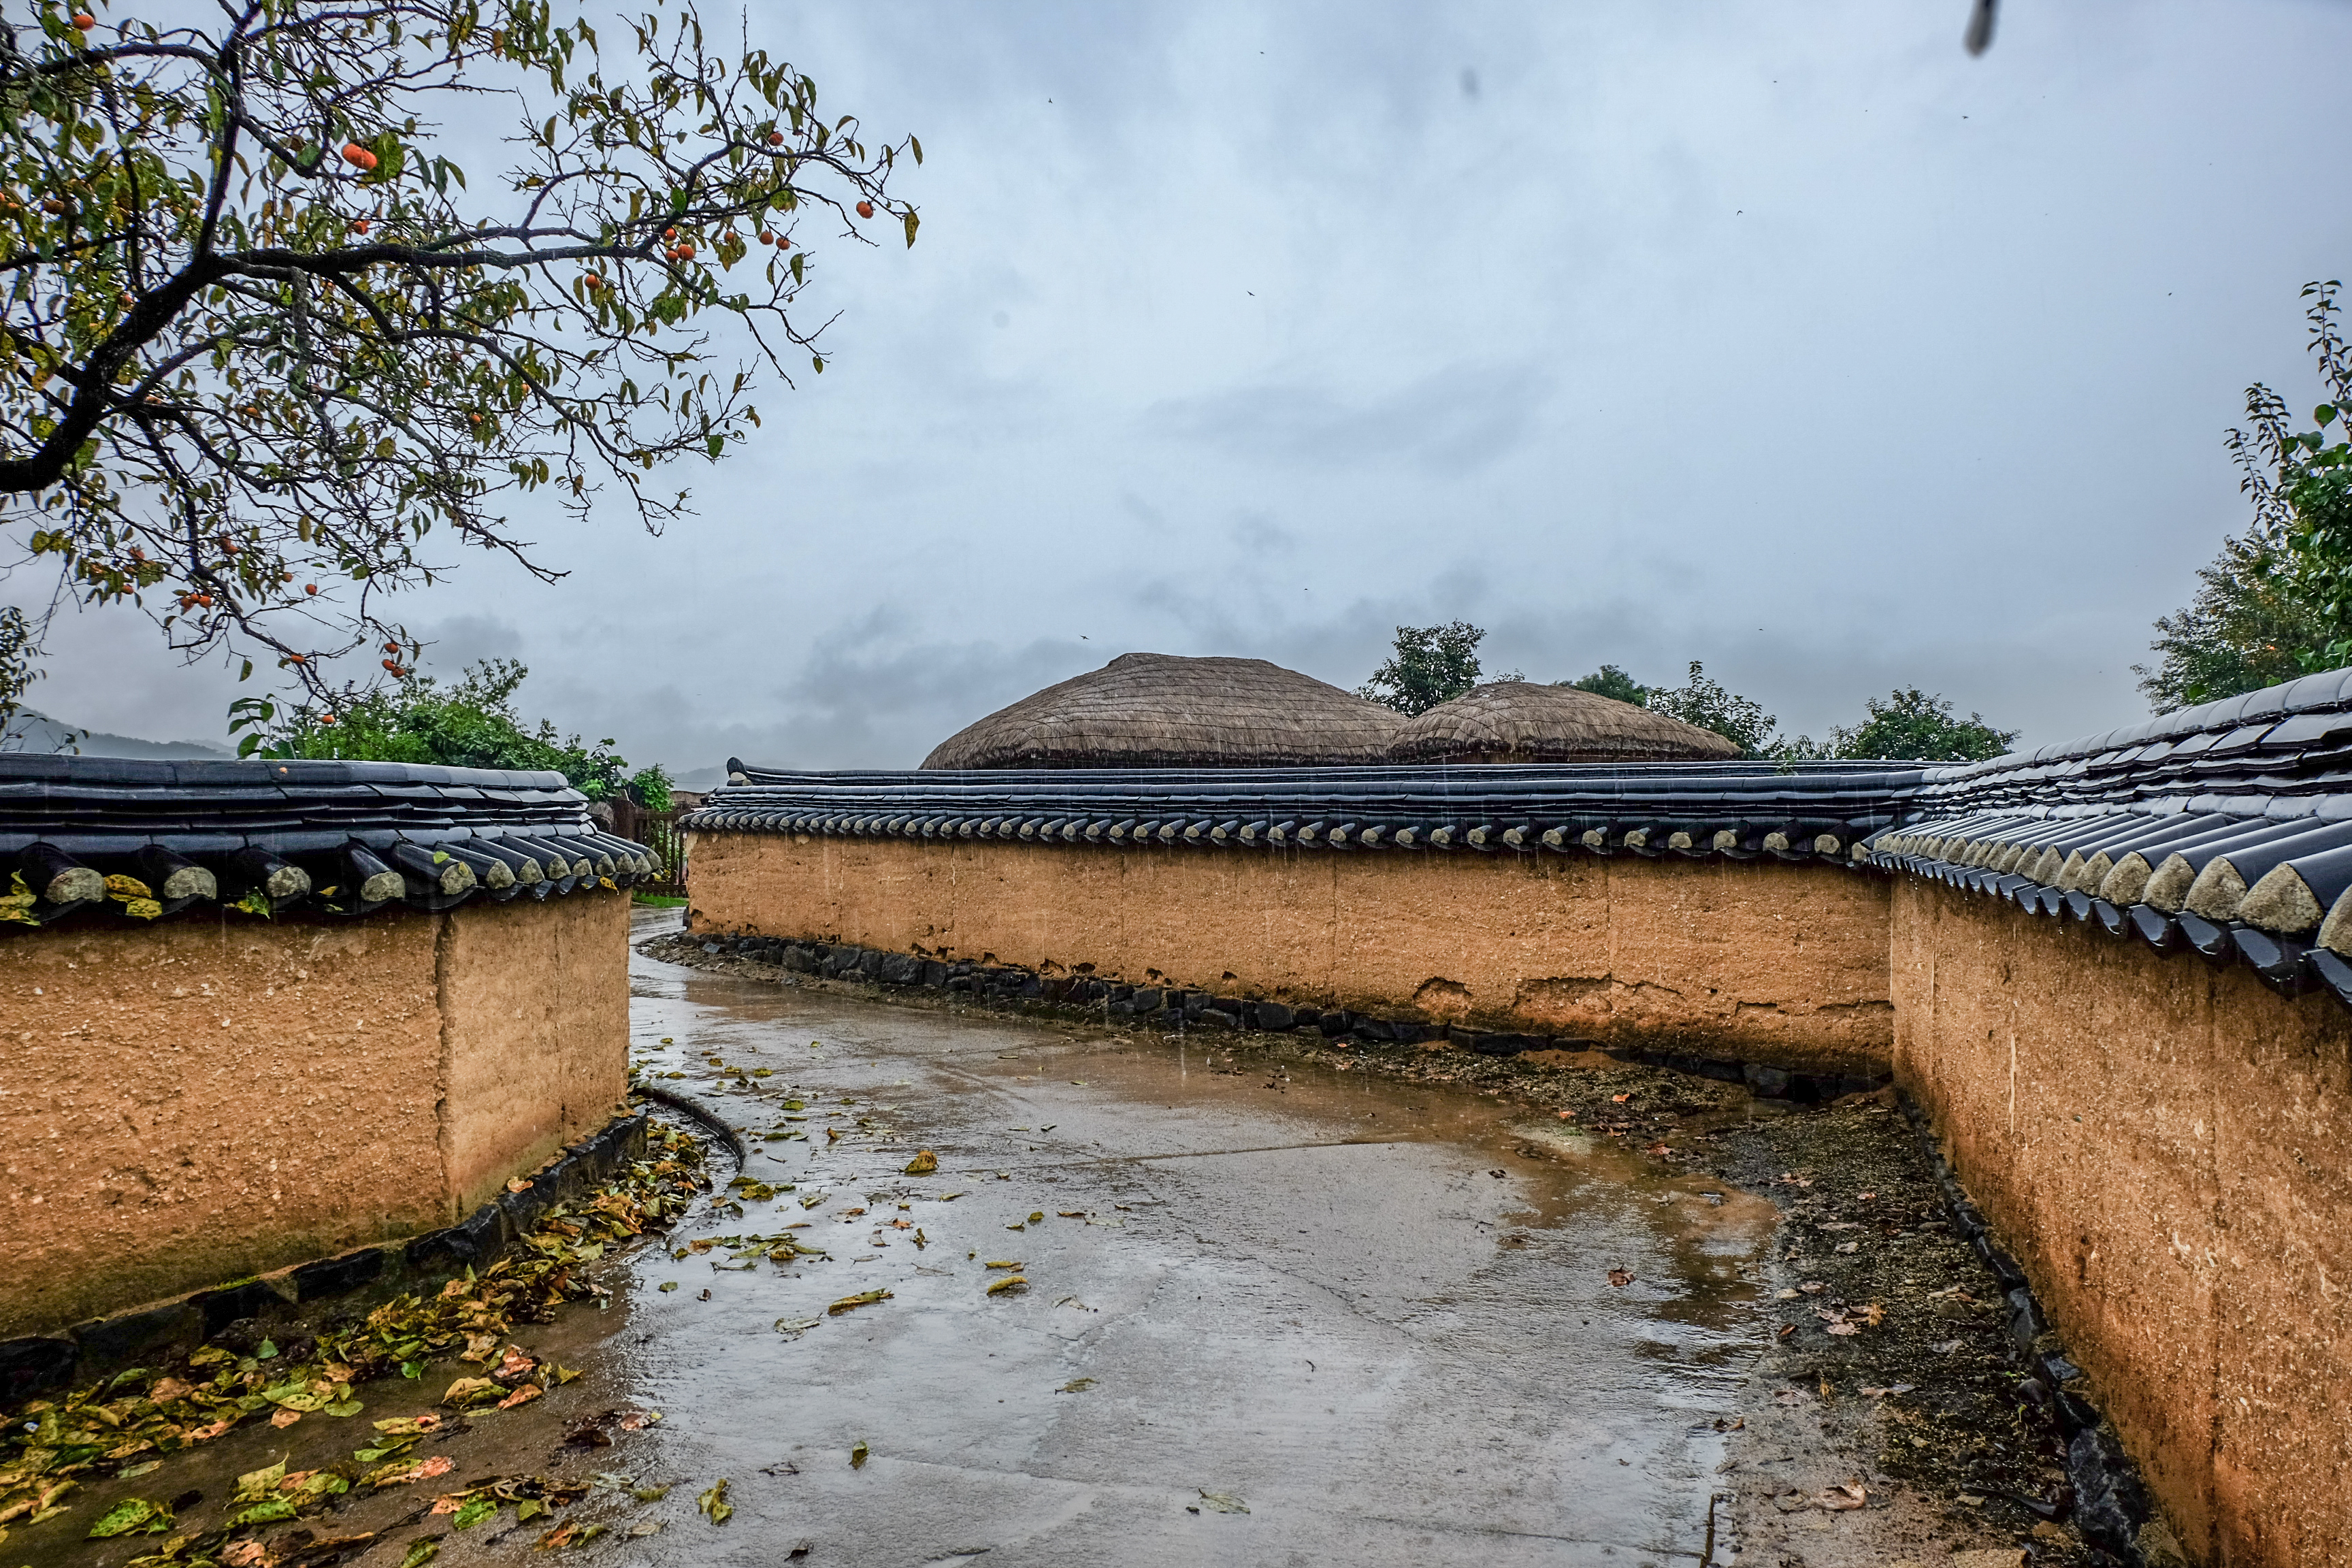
{"x":1378,"y":1318}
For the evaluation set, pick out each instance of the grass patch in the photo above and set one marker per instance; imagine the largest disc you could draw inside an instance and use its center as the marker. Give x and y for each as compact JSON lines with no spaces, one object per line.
{"x":658,"y":901}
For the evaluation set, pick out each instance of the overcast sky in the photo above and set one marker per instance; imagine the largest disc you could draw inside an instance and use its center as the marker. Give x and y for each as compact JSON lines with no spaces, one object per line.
{"x":1787,"y":338}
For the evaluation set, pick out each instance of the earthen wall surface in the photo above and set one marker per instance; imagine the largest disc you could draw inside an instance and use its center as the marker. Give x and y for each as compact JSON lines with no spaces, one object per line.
{"x":1785,"y":962}
{"x":535,"y":1009}
{"x":2162,"y":1144}
{"x":195,"y":1101}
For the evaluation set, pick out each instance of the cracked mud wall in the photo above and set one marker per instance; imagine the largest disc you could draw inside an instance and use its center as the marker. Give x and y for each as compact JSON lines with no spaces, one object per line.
{"x":198,"y":1101}
{"x":2161,"y":1145}
{"x":1750,"y":961}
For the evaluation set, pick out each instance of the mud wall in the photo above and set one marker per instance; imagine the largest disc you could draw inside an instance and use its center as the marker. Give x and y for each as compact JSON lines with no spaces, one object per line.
{"x":198,"y":1101}
{"x":1783,"y":962}
{"x":2161,"y":1144}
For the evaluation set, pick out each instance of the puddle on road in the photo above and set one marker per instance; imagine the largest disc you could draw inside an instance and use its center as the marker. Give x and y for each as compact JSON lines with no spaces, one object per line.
{"x":1285,"y":1315}
{"x":1379,"y":1317}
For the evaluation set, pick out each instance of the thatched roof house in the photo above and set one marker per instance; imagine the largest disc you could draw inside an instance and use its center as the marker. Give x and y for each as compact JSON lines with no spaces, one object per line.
{"x":1157,"y":711}
{"x":1520,"y":722}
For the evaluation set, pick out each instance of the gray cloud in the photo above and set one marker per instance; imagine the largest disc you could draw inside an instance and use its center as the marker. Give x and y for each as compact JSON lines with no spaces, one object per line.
{"x":1797,"y":342}
{"x":1448,"y":422}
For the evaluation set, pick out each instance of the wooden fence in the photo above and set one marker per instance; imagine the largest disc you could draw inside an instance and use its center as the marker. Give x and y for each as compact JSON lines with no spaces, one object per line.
{"x":658,"y":830}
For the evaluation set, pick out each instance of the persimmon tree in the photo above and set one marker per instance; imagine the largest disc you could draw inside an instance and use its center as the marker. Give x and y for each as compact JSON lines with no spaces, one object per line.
{"x":269,"y":349}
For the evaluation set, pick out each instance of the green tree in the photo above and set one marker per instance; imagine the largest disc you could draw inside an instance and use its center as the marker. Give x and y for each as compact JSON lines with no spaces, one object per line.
{"x":17,"y":643}
{"x":2277,"y":601}
{"x":1912,"y":726}
{"x":262,"y":347}
{"x":1705,"y":702}
{"x":1614,"y":683}
{"x":2251,"y":626}
{"x":469,"y":725}
{"x":1430,"y":665}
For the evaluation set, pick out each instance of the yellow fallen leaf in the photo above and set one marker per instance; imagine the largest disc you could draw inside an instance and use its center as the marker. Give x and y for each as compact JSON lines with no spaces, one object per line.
{"x":1009,"y":1283}
{"x":863,"y":1299}
{"x":924,"y":1164}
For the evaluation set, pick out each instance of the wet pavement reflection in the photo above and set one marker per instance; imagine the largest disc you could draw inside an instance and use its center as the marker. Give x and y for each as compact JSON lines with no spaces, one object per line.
{"x":1270,"y":1316}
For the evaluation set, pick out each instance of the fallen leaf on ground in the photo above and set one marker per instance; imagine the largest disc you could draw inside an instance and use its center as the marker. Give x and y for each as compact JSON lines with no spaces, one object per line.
{"x":1000,"y":1263}
{"x":398,"y":1474}
{"x":1075,"y":1386}
{"x":420,"y":1552}
{"x":1889,"y":1389}
{"x":284,"y":1419}
{"x":850,"y":1303}
{"x":922,"y":1164}
{"x":472,"y":1390}
{"x":1621,"y":1277}
{"x":1619,"y":1099}
{"x":1009,"y":1283}
{"x":1836,"y":1499}
{"x":793,"y":1328}
{"x":857,"y":1456}
{"x":1223,"y":1503}
{"x":255,"y":1485}
{"x":714,"y":1504}
{"x":523,"y":1395}
{"x":132,"y":1516}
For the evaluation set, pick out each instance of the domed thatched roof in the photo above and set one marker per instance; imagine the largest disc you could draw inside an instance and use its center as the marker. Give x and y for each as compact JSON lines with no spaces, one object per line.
{"x":1157,"y":711}
{"x":1518,"y":722}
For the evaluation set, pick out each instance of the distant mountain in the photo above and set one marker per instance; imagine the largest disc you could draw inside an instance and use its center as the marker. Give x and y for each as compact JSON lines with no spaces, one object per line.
{"x":699,"y":779}
{"x":40,"y":735}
